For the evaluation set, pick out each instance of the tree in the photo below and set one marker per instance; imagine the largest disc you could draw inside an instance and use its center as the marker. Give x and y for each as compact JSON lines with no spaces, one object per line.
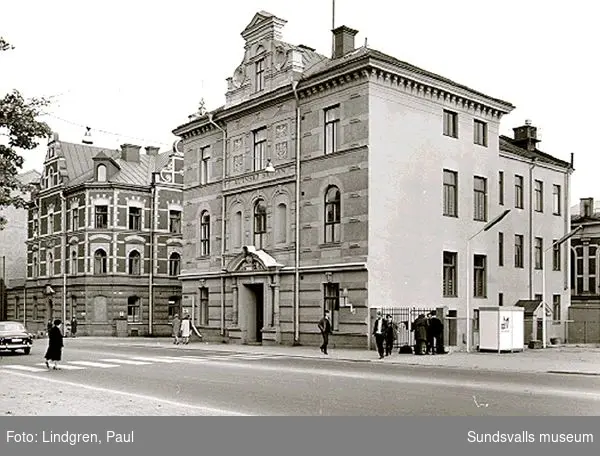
{"x":19,"y":130}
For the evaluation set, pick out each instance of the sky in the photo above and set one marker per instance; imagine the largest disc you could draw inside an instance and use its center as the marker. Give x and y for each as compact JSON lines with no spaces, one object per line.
{"x":134,"y":70}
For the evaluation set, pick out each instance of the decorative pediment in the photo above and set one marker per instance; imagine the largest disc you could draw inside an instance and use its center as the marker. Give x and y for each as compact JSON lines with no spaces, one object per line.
{"x":74,"y":240}
{"x":264,"y":23}
{"x":135,"y":239}
{"x":100,"y":237}
{"x":251,"y":259}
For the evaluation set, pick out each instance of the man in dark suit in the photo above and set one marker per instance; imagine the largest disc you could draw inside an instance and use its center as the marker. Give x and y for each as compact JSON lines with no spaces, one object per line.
{"x":435,"y":333}
{"x":325,"y":327}
{"x":379,"y":330}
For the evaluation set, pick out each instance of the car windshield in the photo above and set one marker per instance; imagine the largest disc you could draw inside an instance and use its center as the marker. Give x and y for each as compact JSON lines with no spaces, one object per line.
{"x":11,"y":327}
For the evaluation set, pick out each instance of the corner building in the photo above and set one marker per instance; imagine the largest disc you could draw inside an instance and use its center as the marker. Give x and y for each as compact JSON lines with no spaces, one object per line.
{"x":320,"y":184}
{"x":104,"y":241}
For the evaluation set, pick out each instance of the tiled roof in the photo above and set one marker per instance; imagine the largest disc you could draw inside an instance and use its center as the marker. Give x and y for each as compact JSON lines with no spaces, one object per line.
{"x":507,"y":145}
{"x":80,"y":165}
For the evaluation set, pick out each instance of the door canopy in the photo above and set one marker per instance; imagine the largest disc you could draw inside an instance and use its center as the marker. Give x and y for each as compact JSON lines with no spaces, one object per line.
{"x":250,"y":259}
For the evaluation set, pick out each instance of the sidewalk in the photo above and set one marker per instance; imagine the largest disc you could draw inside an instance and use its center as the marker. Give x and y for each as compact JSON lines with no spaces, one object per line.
{"x":562,"y":359}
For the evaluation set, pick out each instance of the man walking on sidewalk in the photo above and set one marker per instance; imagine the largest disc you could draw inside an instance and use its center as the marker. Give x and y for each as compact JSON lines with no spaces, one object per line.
{"x":325,"y":327}
{"x":379,"y":330}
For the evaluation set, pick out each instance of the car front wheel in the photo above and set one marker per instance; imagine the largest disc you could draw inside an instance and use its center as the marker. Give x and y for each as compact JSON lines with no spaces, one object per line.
{"x":27,"y":350}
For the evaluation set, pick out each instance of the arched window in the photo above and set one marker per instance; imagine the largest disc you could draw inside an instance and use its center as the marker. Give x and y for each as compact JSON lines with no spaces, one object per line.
{"x":134,"y":263}
{"x":204,"y":233}
{"x":237,"y":232}
{"x":100,"y":262}
{"x":174,"y":264}
{"x":50,"y":264}
{"x":332,"y":214}
{"x":101,"y":173}
{"x":260,"y":224}
{"x":281,"y":224}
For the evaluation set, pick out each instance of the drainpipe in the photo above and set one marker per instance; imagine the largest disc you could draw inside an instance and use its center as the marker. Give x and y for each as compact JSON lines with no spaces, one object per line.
{"x":531,"y":228}
{"x":567,"y":223}
{"x":151,"y":262}
{"x":64,"y":258}
{"x":297,"y":223}
{"x":210,"y":119}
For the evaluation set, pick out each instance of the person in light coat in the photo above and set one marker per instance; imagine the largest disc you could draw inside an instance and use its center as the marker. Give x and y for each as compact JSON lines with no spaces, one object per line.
{"x":186,"y":329}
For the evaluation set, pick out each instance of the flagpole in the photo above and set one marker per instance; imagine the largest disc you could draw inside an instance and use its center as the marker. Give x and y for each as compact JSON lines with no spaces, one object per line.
{"x":332,"y":27}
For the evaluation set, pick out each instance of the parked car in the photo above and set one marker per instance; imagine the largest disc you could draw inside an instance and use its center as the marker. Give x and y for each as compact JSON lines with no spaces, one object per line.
{"x":14,"y":336}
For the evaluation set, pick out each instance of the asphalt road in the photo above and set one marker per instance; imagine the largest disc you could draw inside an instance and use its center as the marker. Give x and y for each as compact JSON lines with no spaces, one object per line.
{"x":225,"y":383}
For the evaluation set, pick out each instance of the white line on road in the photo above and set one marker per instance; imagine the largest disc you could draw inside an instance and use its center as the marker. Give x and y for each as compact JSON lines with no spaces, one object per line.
{"x":92,"y":364}
{"x":156,"y":360}
{"x":153,"y":399}
{"x":24,"y":368}
{"x":66,"y":367}
{"x":515,"y":388}
{"x":125,"y":361}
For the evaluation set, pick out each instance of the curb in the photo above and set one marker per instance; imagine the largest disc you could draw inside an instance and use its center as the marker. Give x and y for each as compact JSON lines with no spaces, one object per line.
{"x":589,"y":374}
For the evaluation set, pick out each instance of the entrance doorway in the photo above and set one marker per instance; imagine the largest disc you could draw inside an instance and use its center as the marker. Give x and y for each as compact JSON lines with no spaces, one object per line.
{"x":254,"y":306}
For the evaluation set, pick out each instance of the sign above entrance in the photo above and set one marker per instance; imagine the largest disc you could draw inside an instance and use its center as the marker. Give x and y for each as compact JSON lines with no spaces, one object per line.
{"x":251,"y":259}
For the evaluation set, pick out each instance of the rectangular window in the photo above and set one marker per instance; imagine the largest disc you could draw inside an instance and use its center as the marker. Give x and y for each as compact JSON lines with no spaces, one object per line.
{"x":539,"y":196}
{"x":500,"y":299}
{"x":538,"y":248}
{"x":175,"y":222}
{"x":480,"y":199}
{"x":449,"y":285}
{"x":50,"y":223}
{"x":518,"y":250}
{"x":135,"y":218}
{"x":556,"y":199}
{"x":133,"y":309}
{"x":259,"y":75}
{"x":75,"y":219}
{"x":501,"y":188}
{"x":450,"y":124}
{"x":101,"y":217}
{"x":556,"y":311}
{"x":204,"y":164}
{"x":479,"y":276}
{"x":555,"y":256}
{"x":500,"y":249}
{"x":174,"y":306}
{"x":480,"y":132}
{"x":450,"y":193}
{"x":519,"y":192}
{"x":260,"y":149}
{"x":332,"y":122}
{"x":475,"y":319}
{"x":332,"y":303}
{"x":204,"y":306}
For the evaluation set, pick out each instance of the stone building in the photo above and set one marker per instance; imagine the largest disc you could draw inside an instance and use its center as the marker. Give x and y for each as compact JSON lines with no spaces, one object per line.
{"x":352,"y":183}
{"x":104,"y":240}
{"x":12,"y":244}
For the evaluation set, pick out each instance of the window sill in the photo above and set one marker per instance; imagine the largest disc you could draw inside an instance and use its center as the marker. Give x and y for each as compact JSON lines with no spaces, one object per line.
{"x":450,"y":296}
{"x":330,"y":245}
{"x":451,"y":215}
{"x":449,"y":136}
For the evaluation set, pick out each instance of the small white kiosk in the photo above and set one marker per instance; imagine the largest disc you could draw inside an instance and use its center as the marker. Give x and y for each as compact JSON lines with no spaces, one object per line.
{"x":501,"y":329}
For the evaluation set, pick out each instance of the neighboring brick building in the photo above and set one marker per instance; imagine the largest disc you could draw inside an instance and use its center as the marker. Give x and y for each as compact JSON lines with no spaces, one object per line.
{"x":12,"y":244}
{"x":351,"y":183}
{"x":104,"y":240}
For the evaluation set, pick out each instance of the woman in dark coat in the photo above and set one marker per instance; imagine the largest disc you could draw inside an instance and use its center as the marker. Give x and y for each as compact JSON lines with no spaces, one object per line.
{"x":55,"y":345}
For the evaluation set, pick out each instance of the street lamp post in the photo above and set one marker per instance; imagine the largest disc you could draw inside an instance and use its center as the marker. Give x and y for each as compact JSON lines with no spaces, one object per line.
{"x":544,"y":297}
{"x":487,"y":227}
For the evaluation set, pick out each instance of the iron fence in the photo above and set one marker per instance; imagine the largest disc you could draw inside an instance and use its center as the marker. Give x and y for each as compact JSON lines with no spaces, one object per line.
{"x":403,"y":318}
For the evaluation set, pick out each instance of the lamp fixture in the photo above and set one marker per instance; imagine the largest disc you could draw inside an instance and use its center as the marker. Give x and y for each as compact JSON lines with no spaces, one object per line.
{"x":269,"y":168}
{"x":87,"y":137}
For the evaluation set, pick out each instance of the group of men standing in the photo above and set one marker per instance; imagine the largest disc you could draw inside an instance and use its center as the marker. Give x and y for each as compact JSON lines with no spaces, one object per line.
{"x":429,"y":334}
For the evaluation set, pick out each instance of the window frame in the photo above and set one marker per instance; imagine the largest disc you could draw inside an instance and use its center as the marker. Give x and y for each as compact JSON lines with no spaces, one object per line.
{"x":450,"y":196}
{"x":174,"y":221}
{"x":519,"y":251}
{"x":101,"y":215}
{"x":259,"y":149}
{"x":259,"y":75}
{"x":134,"y":221}
{"x":538,"y":249}
{"x":333,"y":227}
{"x":259,"y":223}
{"x":480,"y":198}
{"x":519,"y":192}
{"x":174,"y":264}
{"x":450,"y":124}
{"x":100,"y":262}
{"x":480,"y":275}
{"x":539,"y":195}
{"x":134,"y":263}
{"x":204,"y":233}
{"x":556,"y":199}
{"x":331,"y":131}
{"x":449,"y":274}
{"x":480,"y":133}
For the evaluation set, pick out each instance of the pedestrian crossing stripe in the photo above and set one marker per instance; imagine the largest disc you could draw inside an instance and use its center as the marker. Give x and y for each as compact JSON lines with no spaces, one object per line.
{"x":64,"y":366}
{"x":126,"y":361}
{"x":155,"y":360}
{"x":93,"y":364}
{"x":24,"y":368}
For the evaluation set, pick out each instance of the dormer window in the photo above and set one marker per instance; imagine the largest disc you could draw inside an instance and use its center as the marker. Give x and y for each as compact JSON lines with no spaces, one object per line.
{"x":101,"y":173}
{"x":259,"y":75}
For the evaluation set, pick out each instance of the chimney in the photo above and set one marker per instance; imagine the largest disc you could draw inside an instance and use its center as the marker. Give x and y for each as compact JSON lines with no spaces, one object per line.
{"x":152,"y":150}
{"x":586,"y":207}
{"x":526,"y":136}
{"x":343,"y":41}
{"x":130,"y":153}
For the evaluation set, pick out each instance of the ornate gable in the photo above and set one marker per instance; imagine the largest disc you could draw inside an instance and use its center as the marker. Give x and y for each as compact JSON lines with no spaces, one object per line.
{"x":251,"y":259}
